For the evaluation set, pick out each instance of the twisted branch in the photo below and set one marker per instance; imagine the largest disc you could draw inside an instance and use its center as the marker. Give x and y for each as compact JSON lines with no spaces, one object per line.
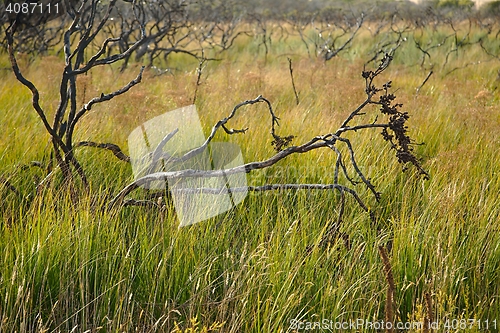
{"x":108,"y":146}
{"x":399,"y":140}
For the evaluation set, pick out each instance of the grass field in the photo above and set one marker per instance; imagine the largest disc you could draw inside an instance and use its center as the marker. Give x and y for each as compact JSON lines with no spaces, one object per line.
{"x":72,"y":267}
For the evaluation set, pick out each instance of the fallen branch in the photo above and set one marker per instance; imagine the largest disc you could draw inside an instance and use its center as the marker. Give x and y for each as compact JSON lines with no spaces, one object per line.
{"x":394,"y":131}
{"x":109,"y":146}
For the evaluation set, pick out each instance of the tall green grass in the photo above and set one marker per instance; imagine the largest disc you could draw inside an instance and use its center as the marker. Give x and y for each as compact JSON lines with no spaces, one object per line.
{"x":72,"y":266}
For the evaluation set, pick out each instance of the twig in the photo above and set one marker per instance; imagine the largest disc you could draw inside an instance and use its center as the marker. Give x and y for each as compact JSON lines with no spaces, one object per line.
{"x":158,"y":154}
{"x":268,"y":187}
{"x":389,"y":301}
{"x":474,"y":63}
{"x":429,"y":313}
{"x":140,"y":203}
{"x":487,"y":51}
{"x":111,"y":59}
{"x":199,"y":71}
{"x":293,"y":81}
{"x":358,"y":171}
{"x":222,"y":123}
{"x":425,"y":81}
{"x":103,"y":98}
{"x":109,"y":146}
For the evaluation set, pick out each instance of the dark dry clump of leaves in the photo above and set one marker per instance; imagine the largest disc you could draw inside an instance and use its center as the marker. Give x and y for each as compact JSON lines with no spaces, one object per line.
{"x":399,"y":139}
{"x":396,"y":131}
{"x":279,"y":143}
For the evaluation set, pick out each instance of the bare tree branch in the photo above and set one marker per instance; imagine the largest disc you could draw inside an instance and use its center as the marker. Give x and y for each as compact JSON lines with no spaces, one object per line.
{"x":103,"y":98}
{"x":108,"y":146}
{"x":331,"y":51}
{"x":399,"y":141}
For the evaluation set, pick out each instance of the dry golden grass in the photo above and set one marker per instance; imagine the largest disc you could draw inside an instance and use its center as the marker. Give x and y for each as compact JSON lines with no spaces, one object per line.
{"x":74,"y":266}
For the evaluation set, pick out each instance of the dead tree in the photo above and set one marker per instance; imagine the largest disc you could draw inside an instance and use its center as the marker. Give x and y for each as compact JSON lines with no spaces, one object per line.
{"x":168,"y":30}
{"x":393,"y":129}
{"x":331,"y":43}
{"x":332,"y":34}
{"x":218,"y":24}
{"x":393,"y":37}
{"x":88,"y":22}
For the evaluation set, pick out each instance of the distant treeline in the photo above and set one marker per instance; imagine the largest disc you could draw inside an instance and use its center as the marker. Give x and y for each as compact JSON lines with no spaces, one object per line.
{"x":333,"y":9}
